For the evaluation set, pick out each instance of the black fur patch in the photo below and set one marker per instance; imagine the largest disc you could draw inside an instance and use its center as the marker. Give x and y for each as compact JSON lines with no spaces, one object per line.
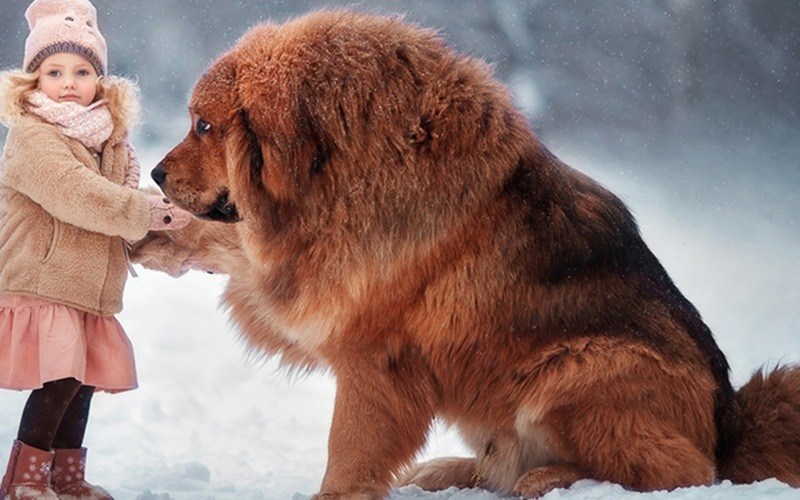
{"x":254,"y":149}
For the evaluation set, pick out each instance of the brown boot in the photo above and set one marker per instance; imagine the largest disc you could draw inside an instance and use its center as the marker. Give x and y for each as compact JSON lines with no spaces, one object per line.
{"x":28,"y":474}
{"x":69,"y":477}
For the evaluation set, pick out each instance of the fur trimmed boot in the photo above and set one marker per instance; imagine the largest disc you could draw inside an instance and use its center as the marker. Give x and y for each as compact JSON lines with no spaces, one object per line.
{"x":69,"y":477}
{"x":28,"y":474}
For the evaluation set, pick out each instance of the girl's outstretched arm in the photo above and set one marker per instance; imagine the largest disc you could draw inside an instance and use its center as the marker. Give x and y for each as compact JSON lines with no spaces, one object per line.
{"x":67,"y":189}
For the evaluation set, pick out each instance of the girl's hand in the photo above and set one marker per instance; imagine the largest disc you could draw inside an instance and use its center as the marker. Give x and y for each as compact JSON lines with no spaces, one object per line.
{"x":166,"y":216}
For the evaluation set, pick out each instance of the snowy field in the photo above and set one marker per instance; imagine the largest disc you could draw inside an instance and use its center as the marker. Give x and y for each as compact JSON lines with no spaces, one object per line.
{"x":211,"y":421}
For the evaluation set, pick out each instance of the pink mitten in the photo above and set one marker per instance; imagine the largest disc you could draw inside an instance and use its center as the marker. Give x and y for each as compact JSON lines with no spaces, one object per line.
{"x":165,"y":216}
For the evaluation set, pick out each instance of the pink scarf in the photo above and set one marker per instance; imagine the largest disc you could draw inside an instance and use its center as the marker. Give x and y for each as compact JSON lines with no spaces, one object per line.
{"x":91,"y":125}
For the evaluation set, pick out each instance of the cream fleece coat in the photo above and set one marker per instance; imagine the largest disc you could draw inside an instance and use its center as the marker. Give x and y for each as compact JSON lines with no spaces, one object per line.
{"x":65,"y":216}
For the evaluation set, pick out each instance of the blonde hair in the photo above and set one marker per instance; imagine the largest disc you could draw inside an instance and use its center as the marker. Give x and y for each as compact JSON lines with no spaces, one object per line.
{"x":15,"y":86}
{"x":123,"y":99}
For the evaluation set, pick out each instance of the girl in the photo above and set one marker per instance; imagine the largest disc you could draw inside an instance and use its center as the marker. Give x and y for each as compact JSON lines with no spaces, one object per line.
{"x":68,"y":205}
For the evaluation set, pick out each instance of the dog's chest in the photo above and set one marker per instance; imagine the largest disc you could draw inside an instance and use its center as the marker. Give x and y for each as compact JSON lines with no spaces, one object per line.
{"x":300,"y":322}
{"x":308,"y":335}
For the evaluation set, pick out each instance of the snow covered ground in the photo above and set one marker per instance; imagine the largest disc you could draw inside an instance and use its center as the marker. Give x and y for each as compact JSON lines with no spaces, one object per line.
{"x":210,"y":421}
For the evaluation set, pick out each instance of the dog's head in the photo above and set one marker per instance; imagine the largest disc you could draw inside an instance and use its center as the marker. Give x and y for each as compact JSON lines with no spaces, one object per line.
{"x":194,"y":174}
{"x":250,"y":129}
{"x":341,"y":119}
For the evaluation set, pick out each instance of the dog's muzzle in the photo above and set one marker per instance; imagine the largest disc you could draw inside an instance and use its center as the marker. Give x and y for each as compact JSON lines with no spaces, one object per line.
{"x":222,"y":210}
{"x":159,"y":175}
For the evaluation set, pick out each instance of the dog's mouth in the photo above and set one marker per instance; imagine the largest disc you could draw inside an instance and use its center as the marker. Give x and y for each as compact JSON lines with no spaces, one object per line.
{"x":222,"y":210}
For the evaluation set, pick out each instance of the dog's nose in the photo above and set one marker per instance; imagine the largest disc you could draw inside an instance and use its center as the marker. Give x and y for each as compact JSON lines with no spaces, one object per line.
{"x":159,"y":175}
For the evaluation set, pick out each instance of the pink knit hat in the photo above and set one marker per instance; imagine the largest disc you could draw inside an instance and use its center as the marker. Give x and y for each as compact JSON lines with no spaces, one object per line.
{"x":64,"y":26}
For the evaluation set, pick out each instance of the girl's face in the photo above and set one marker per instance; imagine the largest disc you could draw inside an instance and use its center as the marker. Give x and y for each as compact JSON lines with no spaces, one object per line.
{"x":68,"y":77}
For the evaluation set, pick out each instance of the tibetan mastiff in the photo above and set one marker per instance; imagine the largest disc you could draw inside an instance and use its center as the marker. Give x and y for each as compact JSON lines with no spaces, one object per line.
{"x":385,"y":213}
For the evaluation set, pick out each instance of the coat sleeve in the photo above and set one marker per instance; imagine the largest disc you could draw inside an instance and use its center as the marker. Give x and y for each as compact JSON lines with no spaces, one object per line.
{"x":40,"y":165}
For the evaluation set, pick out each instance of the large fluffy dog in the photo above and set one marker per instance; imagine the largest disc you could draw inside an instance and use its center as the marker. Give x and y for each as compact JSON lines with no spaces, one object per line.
{"x":398,"y":223}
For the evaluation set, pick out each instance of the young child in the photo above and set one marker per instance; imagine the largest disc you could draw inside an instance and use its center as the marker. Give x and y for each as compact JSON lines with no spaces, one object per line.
{"x":68,"y":207}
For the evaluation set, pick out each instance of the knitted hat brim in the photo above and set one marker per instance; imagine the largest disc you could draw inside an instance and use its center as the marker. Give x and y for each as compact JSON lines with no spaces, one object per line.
{"x":70,"y":48}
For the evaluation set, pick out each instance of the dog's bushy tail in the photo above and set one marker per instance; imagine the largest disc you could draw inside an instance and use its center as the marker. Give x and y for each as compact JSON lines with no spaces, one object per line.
{"x":770,"y":438}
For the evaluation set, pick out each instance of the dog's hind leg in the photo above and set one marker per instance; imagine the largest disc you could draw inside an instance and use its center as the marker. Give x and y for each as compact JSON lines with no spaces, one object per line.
{"x":648,"y":460}
{"x":441,"y":473}
{"x":539,"y":481}
{"x":623,"y":413}
{"x":628,"y":448}
{"x":640,"y":443}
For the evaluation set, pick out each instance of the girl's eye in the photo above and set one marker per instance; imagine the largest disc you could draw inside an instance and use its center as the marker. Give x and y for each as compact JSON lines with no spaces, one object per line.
{"x":202,"y":127}
{"x":82,"y":72}
{"x":53,"y":73}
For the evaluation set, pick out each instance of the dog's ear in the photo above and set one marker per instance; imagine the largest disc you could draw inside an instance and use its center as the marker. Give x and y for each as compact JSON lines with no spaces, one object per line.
{"x":278,"y":128}
{"x":285,"y":144}
{"x":243,"y":152}
{"x":311,"y":149}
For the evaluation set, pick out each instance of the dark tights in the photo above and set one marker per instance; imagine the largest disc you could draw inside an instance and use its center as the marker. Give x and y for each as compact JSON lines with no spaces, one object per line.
{"x":55,"y":416}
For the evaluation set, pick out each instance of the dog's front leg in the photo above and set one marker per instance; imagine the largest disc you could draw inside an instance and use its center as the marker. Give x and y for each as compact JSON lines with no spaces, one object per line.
{"x":380,"y":419}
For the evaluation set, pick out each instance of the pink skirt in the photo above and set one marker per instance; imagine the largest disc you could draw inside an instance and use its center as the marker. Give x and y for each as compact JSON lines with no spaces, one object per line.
{"x":42,"y":341}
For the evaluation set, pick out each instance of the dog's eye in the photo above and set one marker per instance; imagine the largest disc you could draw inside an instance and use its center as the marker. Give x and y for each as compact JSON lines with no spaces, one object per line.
{"x":202,"y":127}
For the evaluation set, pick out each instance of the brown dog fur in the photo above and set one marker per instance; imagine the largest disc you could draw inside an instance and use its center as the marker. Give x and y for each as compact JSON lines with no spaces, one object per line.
{"x":401,"y":225}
